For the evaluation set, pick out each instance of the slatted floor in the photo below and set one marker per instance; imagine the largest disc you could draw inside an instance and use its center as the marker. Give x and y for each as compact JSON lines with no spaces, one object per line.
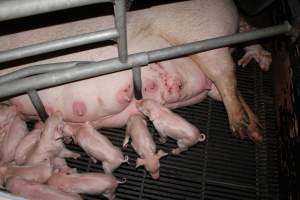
{"x":222,"y":167}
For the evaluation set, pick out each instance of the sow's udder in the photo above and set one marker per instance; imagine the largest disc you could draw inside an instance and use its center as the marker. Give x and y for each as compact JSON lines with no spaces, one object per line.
{"x":108,"y":100}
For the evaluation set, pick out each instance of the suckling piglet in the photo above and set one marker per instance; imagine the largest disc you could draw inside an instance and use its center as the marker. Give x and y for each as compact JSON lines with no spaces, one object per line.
{"x":143,"y":144}
{"x":98,"y":147}
{"x":36,"y":191}
{"x":38,"y":173}
{"x":88,"y":183}
{"x":16,"y":132}
{"x":169,"y":124}
{"x":60,"y":165}
{"x":7,"y":115}
{"x":50,"y":144}
{"x":26,"y":145}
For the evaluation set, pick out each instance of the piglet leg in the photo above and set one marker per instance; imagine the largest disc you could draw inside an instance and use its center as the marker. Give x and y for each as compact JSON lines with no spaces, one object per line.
{"x":254,"y":51}
{"x":162,"y":139}
{"x":126,"y":140}
{"x":181,"y":147}
{"x":66,"y":153}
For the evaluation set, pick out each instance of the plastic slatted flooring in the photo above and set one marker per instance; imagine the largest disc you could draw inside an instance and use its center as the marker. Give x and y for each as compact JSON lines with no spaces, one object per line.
{"x":222,"y":167}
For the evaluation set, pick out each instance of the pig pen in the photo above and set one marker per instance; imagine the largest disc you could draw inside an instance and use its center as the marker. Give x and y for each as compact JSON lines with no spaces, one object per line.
{"x":223,"y":167}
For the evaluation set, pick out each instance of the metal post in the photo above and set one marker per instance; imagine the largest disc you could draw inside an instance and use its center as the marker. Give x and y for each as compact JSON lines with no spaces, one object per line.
{"x":38,"y":105}
{"x":120,"y":22}
{"x":139,"y":59}
{"x":11,"y":9}
{"x":50,"y":46}
{"x":137,"y":82}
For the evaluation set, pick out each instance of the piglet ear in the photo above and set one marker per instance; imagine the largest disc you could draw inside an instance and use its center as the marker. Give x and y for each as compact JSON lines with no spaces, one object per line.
{"x":161,"y":154}
{"x":139,"y":162}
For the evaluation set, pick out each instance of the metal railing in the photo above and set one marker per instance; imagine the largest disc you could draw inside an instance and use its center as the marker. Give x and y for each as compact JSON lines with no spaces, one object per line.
{"x":38,"y":77}
{"x":12,"y":9}
{"x":15,"y":9}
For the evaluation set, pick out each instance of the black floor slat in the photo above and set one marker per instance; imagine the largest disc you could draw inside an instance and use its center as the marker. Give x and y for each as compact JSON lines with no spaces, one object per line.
{"x":222,"y":167}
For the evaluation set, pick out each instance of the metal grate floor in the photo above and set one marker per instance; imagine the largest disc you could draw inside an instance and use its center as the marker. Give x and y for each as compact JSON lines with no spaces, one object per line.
{"x":222,"y":167}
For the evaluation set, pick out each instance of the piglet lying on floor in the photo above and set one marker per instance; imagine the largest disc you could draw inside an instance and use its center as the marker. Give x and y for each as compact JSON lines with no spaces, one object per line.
{"x":40,"y":156}
{"x":169,"y":124}
{"x":88,"y":183}
{"x":50,"y":144}
{"x":143,"y":144}
{"x":26,"y":145}
{"x":38,"y":173}
{"x":12,"y":130}
{"x":37,"y":191}
{"x":98,"y":147}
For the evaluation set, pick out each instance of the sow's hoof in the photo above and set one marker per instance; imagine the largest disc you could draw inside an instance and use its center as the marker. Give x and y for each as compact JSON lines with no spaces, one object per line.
{"x":242,"y":126}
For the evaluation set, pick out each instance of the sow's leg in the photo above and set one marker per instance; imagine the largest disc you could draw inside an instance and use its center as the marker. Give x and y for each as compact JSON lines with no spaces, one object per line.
{"x":219,"y":18}
{"x":254,"y":128}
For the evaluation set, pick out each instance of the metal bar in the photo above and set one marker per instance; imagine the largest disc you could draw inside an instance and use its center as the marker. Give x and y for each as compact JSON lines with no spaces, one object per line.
{"x":38,"y":105}
{"x":129,"y":4}
{"x":209,"y":44}
{"x":11,"y":9}
{"x":137,"y":82}
{"x":120,"y":22}
{"x":50,"y":46}
{"x":69,"y":75}
{"x":139,"y":59}
{"x":38,"y":69}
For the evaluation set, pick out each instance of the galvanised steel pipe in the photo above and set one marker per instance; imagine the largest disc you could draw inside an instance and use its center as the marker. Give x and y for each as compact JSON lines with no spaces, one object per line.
{"x":38,"y":104}
{"x":209,"y":44}
{"x":137,"y":82}
{"x":38,"y":69}
{"x":139,"y":59}
{"x":11,"y":9}
{"x":120,"y":23}
{"x":64,"y":43}
{"x":68,"y":75}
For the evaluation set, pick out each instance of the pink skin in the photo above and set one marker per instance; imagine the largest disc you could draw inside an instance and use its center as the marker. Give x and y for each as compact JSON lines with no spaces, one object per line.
{"x":88,"y":183}
{"x":169,"y":124}
{"x":260,"y":55}
{"x":173,"y":83}
{"x":60,"y":165}
{"x":12,"y":138}
{"x":255,"y":51}
{"x":7,"y":116}
{"x":143,"y":144}
{"x":36,"y":191}
{"x":98,"y":147}
{"x":50,"y":144}
{"x":26,"y":145}
{"x":37,"y":173}
{"x":66,"y":153}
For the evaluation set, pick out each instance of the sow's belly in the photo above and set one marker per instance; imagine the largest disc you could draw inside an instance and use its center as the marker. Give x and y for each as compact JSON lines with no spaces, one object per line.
{"x":108,"y":100}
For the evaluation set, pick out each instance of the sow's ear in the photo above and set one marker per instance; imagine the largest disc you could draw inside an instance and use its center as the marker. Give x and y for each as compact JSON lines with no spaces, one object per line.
{"x":161,"y":154}
{"x":139,"y":162}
